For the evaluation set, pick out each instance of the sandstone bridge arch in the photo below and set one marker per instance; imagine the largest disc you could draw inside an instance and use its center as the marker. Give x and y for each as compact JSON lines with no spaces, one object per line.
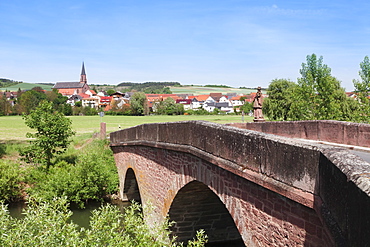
{"x":243,"y":186}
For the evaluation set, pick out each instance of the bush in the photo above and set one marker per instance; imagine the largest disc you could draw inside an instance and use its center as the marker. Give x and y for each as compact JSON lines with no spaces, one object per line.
{"x":93,"y":176}
{"x":48,"y":224}
{"x":10,"y":181}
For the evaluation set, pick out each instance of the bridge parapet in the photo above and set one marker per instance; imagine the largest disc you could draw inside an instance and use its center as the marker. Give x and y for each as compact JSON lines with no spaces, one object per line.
{"x":284,"y":163}
{"x":357,"y":134}
{"x":330,"y":180}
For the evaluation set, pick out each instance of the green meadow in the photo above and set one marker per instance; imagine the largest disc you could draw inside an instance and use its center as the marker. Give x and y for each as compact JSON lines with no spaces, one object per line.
{"x":13,"y":127}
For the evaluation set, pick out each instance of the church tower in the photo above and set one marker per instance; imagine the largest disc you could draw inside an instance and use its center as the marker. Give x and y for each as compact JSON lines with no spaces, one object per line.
{"x":83,"y":78}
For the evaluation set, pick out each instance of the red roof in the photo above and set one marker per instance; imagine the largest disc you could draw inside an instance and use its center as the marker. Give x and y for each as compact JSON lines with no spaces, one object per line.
{"x":183,"y":101}
{"x":84,"y":96}
{"x":202,"y":97}
{"x":106,"y":99}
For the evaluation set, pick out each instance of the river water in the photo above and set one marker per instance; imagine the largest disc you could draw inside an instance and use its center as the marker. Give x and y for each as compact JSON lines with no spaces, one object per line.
{"x":80,"y":216}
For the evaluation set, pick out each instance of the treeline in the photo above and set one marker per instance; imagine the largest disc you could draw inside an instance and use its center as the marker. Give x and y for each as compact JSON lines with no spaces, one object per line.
{"x":317,"y":95}
{"x":29,"y":100}
{"x":220,"y":86}
{"x":149,"y":87}
{"x":26,"y":101}
{"x":8,"y":83}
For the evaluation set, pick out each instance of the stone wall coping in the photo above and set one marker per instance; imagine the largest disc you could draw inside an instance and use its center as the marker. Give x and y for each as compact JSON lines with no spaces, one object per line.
{"x":334,"y":131}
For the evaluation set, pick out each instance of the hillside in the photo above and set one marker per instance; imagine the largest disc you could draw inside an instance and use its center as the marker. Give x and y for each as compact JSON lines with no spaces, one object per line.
{"x":197,"y":90}
{"x":26,"y":86}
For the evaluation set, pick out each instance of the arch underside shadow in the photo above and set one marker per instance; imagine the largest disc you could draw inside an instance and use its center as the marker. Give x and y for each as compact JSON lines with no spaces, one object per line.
{"x":198,"y":207}
{"x":131,"y":188}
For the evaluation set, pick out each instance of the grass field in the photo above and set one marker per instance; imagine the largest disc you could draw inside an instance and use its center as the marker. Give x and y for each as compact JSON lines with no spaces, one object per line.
{"x":26,"y":86}
{"x":13,"y":127}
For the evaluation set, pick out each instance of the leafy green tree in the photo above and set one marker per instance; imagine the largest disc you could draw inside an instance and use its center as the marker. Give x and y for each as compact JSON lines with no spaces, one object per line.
{"x":29,"y":100}
{"x":52,"y":137}
{"x":169,"y":107}
{"x":89,"y":111}
{"x":277,"y":105}
{"x":362,"y":88}
{"x":319,"y":94}
{"x":59,"y":102}
{"x":111,"y":91}
{"x":5,"y":107}
{"x":139,"y":104}
{"x":246,"y":107}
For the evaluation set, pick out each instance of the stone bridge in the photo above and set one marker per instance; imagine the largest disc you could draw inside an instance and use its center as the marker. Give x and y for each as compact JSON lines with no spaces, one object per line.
{"x":247,"y":188}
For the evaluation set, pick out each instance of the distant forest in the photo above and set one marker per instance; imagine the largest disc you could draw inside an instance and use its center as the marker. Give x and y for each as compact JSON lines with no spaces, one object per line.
{"x":149,"y":87}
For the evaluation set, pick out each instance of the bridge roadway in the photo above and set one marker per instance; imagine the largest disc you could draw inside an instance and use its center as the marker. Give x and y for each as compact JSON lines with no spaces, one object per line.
{"x":362,"y":152}
{"x":249,"y":186}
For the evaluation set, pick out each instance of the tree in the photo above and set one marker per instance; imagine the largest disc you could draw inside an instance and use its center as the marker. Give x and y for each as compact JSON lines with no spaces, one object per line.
{"x":169,"y":107}
{"x":111,"y":91}
{"x":52,"y":137}
{"x":30,"y":100}
{"x":139,"y":104}
{"x":5,"y":105}
{"x":362,"y":89}
{"x":246,"y":107}
{"x":318,"y":95}
{"x":277,"y":105}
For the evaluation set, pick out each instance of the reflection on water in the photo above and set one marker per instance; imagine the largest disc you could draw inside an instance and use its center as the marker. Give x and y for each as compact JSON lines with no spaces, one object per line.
{"x":80,"y":216}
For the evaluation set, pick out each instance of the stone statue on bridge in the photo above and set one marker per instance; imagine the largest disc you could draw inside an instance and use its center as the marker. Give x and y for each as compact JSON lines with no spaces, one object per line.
{"x":257,"y":106}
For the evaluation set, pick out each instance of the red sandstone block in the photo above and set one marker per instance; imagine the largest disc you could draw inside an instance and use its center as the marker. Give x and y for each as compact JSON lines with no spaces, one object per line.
{"x":258,"y":204}
{"x":296,"y":221}
{"x":296,"y":210}
{"x":306,"y":215}
{"x":310,"y":228}
{"x":285,"y":209}
{"x":268,"y":204}
{"x":314,"y":219}
{"x":277,"y":207}
{"x":267,"y":210}
{"x":262,"y":194}
{"x":315,"y":241}
{"x":277,"y":215}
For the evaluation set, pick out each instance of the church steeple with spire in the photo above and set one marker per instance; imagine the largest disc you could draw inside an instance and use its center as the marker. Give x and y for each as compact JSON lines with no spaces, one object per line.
{"x":83,"y":78}
{"x":74,"y":88}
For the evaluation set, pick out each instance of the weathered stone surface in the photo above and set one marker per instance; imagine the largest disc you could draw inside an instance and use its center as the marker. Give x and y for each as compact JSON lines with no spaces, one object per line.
{"x":330,"y":182}
{"x":200,"y":195}
{"x":325,"y":130}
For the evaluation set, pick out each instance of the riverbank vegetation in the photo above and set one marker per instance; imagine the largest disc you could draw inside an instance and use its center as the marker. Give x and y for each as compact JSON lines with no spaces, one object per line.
{"x":85,"y":172}
{"x":47,"y":224}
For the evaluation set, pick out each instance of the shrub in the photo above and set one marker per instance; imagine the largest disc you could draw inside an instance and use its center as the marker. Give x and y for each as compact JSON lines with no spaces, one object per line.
{"x":93,"y":176}
{"x":48,"y":224}
{"x":10,"y":181}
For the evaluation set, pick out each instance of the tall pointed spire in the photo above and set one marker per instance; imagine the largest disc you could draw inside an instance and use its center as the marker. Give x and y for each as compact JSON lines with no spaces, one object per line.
{"x":83,"y":78}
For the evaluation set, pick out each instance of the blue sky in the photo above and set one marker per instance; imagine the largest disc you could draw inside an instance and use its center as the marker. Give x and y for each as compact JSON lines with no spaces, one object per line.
{"x":230,"y":42}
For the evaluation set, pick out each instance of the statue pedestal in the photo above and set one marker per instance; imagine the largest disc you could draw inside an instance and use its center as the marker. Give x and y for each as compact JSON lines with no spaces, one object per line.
{"x":259,"y":120}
